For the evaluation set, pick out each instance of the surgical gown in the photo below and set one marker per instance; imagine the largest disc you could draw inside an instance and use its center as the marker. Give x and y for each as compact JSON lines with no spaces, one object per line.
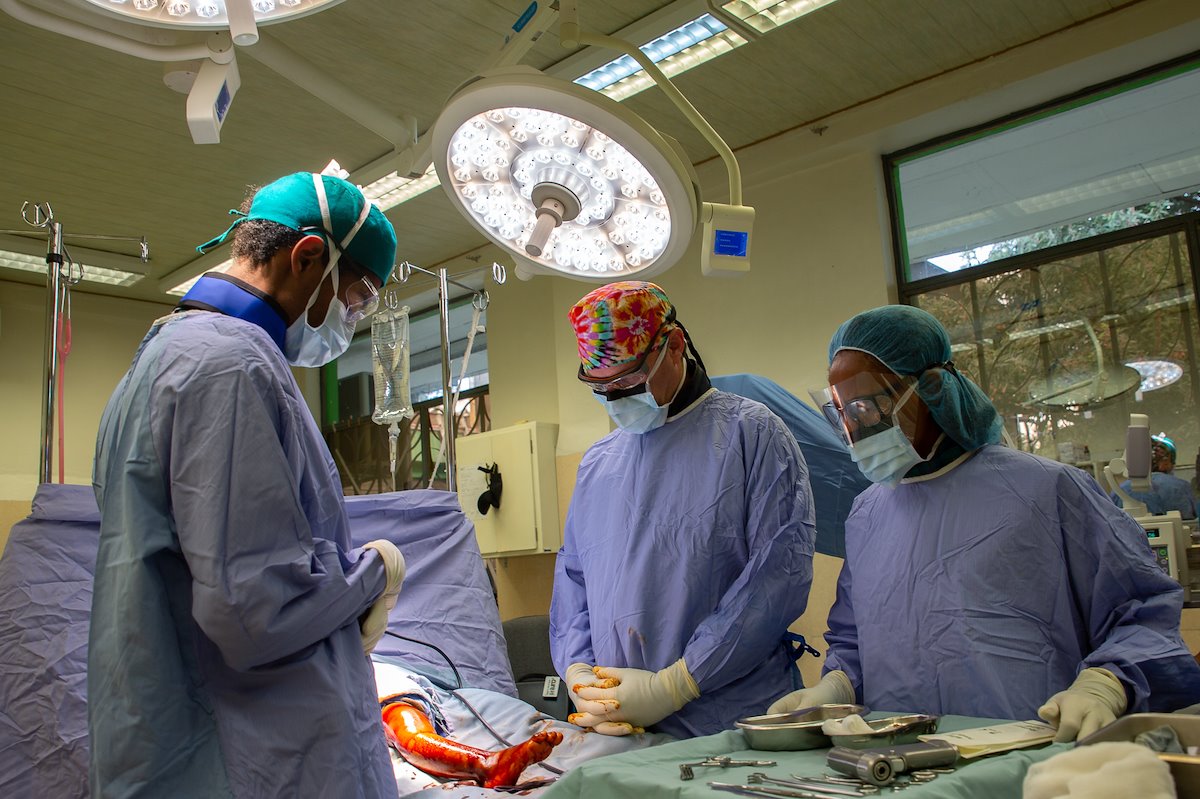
{"x":224,"y":653}
{"x":985,"y":590}
{"x":694,"y":540}
{"x":1168,"y":493}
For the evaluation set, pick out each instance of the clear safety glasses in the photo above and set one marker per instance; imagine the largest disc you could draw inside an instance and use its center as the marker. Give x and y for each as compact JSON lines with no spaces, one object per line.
{"x":863,"y":405}
{"x":362,"y":299}
{"x":629,"y":382}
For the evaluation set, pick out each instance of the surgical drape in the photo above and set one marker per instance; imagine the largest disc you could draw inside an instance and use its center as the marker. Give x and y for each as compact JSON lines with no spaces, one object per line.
{"x":694,"y":540}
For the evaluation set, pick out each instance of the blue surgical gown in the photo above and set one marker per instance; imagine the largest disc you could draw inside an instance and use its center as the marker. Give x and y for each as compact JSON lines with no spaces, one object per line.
{"x":224,"y":653}
{"x":985,"y":590}
{"x":1167,"y":493}
{"x":694,"y":540}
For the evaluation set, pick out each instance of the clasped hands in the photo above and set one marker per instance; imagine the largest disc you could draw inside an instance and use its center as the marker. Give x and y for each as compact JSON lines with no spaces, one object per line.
{"x":620,"y":701}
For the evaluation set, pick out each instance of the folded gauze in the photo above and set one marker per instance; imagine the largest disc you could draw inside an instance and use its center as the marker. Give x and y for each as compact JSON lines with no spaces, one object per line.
{"x":1101,"y":771}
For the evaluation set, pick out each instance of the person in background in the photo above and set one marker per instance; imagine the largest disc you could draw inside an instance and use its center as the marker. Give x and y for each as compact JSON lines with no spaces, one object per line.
{"x":231,"y":618}
{"x":689,"y":540}
{"x":980,"y":580}
{"x":1167,"y":492}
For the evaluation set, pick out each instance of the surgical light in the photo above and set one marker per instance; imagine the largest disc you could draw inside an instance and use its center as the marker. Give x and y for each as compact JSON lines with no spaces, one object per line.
{"x":1156,"y":373}
{"x":207,"y":14}
{"x":567,"y":181}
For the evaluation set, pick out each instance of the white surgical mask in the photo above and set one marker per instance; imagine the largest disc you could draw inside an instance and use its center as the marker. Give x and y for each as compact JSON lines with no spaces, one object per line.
{"x":641,"y":413}
{"x":886,"y":456}
{"x":303,"y":344}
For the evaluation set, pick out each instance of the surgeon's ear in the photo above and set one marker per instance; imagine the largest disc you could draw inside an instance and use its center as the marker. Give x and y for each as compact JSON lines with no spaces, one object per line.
{"x":307,"y":254}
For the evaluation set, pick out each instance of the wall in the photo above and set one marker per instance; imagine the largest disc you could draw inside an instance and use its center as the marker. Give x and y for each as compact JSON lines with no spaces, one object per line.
{"x":106,"y":331}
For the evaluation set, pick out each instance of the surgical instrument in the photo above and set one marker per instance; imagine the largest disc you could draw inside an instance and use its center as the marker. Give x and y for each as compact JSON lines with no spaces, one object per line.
{"x":808,"y":785}
{"x":880,"y":766}
{"x":761,"y":790}
{"x":686,"y":773}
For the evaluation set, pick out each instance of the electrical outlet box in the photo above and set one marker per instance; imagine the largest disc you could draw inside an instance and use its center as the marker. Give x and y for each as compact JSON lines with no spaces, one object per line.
{"x":526,"y":522}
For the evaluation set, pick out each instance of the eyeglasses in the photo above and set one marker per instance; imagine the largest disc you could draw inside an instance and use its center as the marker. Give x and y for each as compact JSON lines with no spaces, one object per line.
{"x":627,"y":383}
{"x":863,"y":411}
{"x":362,"y":299}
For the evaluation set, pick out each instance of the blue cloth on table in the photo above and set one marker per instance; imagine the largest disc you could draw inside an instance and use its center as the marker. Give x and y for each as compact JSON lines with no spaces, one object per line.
{"x":1167,"y":493}
{"x":693,"y":540}
{"x":835,"y":479}
{"x":45,"y":601}
{"x":446,"y":599}
{"x":985,"y":590}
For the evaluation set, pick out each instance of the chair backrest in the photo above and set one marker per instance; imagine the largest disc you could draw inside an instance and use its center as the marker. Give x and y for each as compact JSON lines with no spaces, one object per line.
{"x":528,"y":639}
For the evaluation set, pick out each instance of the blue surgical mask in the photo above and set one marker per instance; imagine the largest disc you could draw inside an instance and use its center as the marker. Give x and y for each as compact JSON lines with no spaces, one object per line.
{"x":641,"y":413}
{"x":886,"y":456}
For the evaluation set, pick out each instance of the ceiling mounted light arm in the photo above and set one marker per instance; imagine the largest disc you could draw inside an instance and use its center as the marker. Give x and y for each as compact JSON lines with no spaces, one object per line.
{"x":215,"y":47}
{"x":725,"y":247}
{"x":572,"y":35}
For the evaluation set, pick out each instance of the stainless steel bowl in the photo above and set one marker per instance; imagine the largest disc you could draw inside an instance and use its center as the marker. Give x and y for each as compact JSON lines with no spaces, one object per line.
{"x":799,"y":729}
{"x":889,"y":731}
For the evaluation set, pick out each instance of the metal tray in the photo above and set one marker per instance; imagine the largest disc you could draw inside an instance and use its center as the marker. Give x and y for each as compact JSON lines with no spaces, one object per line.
{"x":1185,"y":769}
{"x":799,"y":729}
{"x":889,"y":732}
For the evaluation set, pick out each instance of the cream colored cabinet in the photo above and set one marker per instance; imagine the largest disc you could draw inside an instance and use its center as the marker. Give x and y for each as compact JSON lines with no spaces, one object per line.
{"x":526,"y":523}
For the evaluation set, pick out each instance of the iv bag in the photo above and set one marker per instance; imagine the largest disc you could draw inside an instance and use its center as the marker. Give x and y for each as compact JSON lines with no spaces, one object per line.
{"x":389,"y":359}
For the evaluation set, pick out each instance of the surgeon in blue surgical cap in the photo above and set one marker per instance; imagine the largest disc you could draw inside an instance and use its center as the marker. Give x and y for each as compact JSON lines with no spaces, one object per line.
{"x":231,"y":617}
{"x":980,"y":580}
{"x":689,"y":540}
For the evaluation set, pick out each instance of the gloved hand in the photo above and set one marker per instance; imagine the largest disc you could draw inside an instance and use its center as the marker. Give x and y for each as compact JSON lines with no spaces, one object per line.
{"x":581,"y":675}
{"x":1094,"y":700}
{"x":833,"y":689}
{"x":642,"y":697}
{"x":375,"y":620}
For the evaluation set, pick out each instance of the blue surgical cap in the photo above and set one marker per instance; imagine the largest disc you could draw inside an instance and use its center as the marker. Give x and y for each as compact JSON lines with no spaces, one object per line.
{"x":910,"y":341}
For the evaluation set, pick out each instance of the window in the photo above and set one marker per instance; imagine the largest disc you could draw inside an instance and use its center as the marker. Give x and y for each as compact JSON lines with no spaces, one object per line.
{"x":1060,"y":250}
{"x":360,"y":447}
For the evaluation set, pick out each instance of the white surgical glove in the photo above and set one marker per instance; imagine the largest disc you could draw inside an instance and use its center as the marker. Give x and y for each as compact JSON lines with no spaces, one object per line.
{"x":642,"y":697}
{"x":833,"y":689}
{"x":1093,"y":701}
{"x":580,"y":675}
{"x":375,"y":620}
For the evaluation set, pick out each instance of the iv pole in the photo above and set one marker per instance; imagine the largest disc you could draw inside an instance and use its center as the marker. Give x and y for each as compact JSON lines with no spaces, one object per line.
{"x":42,"y":216}
{"x":403,"y":271}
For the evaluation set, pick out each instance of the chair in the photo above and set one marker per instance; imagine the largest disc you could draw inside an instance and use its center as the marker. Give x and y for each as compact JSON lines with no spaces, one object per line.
{"x":528,"y":639}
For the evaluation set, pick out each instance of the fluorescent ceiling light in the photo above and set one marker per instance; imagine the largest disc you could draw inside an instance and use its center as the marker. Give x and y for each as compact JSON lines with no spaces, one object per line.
{"x":206,"y":14}
{"x":183,"y":287}
{"x":1156,"y":373}
{"x":92,"y":274}
{"x":669,"y":44}
{"x":767,"y":15}
{"x":393,"y":189}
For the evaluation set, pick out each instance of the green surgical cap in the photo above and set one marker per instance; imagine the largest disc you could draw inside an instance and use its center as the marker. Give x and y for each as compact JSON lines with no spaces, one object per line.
{"x":910,"y":341}
{"x":292,"y":201}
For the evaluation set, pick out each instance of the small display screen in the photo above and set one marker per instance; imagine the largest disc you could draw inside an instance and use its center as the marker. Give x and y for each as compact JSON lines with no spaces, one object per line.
{"x":730,"y":242}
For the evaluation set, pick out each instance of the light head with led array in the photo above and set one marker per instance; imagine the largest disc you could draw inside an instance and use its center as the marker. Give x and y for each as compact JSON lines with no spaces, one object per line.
{"x":566,"y":180}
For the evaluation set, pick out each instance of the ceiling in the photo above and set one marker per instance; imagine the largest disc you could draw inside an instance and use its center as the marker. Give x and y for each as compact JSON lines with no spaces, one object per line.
{"x":98,"y":134}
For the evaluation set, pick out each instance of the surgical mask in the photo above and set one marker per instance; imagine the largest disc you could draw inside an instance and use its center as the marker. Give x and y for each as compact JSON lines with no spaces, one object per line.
{"x":305,"y":345}
{"x":887,"y":456}
{"x":641,"y":413}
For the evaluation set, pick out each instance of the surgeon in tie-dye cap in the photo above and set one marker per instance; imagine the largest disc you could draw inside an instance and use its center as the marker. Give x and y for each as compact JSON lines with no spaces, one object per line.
{"x":689,"y":541}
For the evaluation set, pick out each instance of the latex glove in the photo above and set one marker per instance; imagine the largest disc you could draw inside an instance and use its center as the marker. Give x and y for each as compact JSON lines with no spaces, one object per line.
{"x":833,"y":689}
{"x":375,"y":620}
{"x":580,"y":675}
{"x":643,"y":697}
{"x":1093,"y":701}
